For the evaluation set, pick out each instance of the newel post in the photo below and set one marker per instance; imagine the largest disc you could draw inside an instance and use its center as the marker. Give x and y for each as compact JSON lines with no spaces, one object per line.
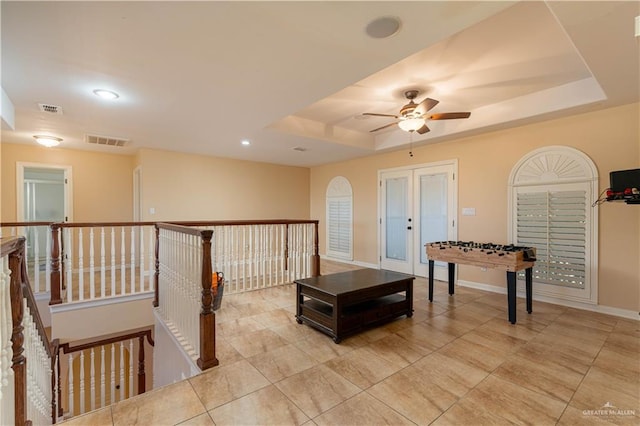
{"x":142,"y":380}
{"x":207,"y":316}
{"x":18,"y":362}
{"x":315,"y":258}
{"x":56,"y":299}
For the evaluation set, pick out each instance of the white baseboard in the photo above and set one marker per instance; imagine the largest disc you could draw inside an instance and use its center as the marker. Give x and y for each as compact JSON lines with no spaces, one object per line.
{"x":350,"y":262}
{"x":623,"y":313}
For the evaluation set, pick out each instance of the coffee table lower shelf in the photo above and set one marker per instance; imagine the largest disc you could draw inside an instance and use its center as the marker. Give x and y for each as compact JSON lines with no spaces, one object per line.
{"x":354,"y":318}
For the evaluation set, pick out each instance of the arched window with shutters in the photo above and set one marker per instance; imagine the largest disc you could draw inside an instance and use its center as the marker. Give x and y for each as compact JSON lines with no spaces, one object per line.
{"x":551,"y":192}
{"x":340,"y":219}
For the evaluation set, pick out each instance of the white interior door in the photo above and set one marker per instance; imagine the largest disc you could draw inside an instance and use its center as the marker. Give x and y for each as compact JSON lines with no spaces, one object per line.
{"x":417,"y":206}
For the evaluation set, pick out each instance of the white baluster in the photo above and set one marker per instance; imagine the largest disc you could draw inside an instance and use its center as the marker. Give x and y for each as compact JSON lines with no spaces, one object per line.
{"x":80,"y":267}
{"x":123,"y":266}
{"x":152,"y":263}
{"x":71,"y":396}
{"x":103,"y":265}
{"x":81,"y":391}
{"x":141,"y":265}
{"x":130,"y":368}
{"x":113,"y":261}
{"x":112,"y":394}
{"x":36,"y":259}
{"x":133,"y":260}
{"x":68,"y":262}
{"x":47,"y":267}
{"x":103,"y":401}
{"x":92,"y":279}
{"x":121,"y":372}
{"x":251,"y":257}
{"x":92,"y":375}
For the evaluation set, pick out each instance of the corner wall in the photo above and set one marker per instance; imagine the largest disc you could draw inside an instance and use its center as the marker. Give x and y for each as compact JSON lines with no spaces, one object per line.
{"x":611,"y":138}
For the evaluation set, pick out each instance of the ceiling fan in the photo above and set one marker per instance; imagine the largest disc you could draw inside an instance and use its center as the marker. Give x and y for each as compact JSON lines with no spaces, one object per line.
{"x":413,"y":117}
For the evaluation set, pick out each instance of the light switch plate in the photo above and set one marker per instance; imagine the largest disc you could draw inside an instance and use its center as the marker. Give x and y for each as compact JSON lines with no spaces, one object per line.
{"x":468,"y":211}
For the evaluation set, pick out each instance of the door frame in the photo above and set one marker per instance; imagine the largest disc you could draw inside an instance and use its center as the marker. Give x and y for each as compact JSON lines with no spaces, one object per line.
{"x":68,"y":188}
{"x":454,"y":202}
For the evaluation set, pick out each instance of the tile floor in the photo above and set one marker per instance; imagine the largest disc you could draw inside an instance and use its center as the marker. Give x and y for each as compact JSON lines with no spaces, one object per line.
{"x":457,"y":361}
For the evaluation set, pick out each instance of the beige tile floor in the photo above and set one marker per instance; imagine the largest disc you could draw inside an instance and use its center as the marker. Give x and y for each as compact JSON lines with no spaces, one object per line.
{"x":457,"y":361}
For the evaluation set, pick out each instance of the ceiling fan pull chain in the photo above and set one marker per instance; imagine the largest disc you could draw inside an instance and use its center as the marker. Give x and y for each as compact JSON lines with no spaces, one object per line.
{"x":410,"y":144}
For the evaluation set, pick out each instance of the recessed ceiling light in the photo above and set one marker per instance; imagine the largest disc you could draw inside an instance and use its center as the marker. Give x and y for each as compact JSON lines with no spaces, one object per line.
{"x":383,"y":27}
{"x":245,"y":142}
{"x":106,"y":94}
{"x":48,"y":141}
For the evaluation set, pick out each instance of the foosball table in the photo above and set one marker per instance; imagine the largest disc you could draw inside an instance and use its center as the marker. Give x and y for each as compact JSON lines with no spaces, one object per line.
{"x":509,"y":258}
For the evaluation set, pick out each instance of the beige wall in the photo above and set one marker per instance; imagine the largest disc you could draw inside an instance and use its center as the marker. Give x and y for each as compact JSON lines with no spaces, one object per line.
{"x":194,"y":187}
{"x":610,"y":138}
{"x":102,"y":183}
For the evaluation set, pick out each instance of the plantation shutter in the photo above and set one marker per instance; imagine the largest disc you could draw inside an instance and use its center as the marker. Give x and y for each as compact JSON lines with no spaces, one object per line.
{"x":554,"y":222}
{"x":552,"y":191}
{"x":339,"y":203}
{"x":339,"y":227}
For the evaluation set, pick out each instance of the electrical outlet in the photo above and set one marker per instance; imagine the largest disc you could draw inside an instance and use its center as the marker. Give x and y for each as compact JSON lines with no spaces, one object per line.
{"x":483,"y":269}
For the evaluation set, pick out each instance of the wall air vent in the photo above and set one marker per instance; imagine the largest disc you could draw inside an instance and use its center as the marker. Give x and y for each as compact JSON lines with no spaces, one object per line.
{"x":106,"y":140}
{"x":51,"y":109}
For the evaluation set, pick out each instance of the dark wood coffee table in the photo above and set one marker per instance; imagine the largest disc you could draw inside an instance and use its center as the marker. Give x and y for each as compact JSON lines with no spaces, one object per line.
{"x":348,"y":302}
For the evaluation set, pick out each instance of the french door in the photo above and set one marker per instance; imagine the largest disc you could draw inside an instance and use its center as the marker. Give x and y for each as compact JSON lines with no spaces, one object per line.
{"x":417,"y":206}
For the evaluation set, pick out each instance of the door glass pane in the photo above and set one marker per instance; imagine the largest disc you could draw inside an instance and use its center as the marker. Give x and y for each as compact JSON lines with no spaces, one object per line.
{"x":433,"y":210}
{"x":396,"y":214}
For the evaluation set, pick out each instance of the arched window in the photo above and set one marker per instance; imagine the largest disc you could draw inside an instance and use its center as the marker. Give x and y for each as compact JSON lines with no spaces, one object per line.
{"x":551,"y":192}
{"x":339,"y":219}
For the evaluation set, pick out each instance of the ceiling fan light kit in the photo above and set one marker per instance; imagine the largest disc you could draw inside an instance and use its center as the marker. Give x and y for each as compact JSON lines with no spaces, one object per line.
{"x":413,"y":117}
{"x":411,"y":124}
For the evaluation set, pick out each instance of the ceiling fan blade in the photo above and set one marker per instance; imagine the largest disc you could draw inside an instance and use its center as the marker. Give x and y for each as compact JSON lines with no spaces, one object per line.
{"x":424,"y":129}
{"x":379,"y":115}
{"x":425,"y":106}
{"x":449,"y":115}
{"x":383,"y":127}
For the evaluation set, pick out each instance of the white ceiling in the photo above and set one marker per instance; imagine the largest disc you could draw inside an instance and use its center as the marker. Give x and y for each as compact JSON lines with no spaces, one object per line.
{"x":199,"y":77}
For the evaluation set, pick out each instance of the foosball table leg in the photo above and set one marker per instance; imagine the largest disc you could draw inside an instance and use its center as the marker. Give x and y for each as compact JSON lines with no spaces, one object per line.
{"x":528,"y":275}
{"x":511,"y":296}
{"x":431,"y":280}
{"x":452,"y":277}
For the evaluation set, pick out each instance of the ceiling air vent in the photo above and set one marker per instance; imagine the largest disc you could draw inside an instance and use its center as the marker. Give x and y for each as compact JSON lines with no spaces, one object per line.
{"x":106,"y":140}
{"x":51,"y":109}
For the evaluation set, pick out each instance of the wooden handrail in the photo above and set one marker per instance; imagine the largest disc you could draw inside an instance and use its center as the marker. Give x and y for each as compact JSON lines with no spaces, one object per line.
{"x":180,"y":228}
{"x":20,"y":224}
{"x":66,"y":348}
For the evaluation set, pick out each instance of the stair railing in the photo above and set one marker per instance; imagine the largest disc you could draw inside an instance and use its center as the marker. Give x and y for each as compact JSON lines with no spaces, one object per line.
{"x":110,"y":376}
{"x":27,"y":359}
